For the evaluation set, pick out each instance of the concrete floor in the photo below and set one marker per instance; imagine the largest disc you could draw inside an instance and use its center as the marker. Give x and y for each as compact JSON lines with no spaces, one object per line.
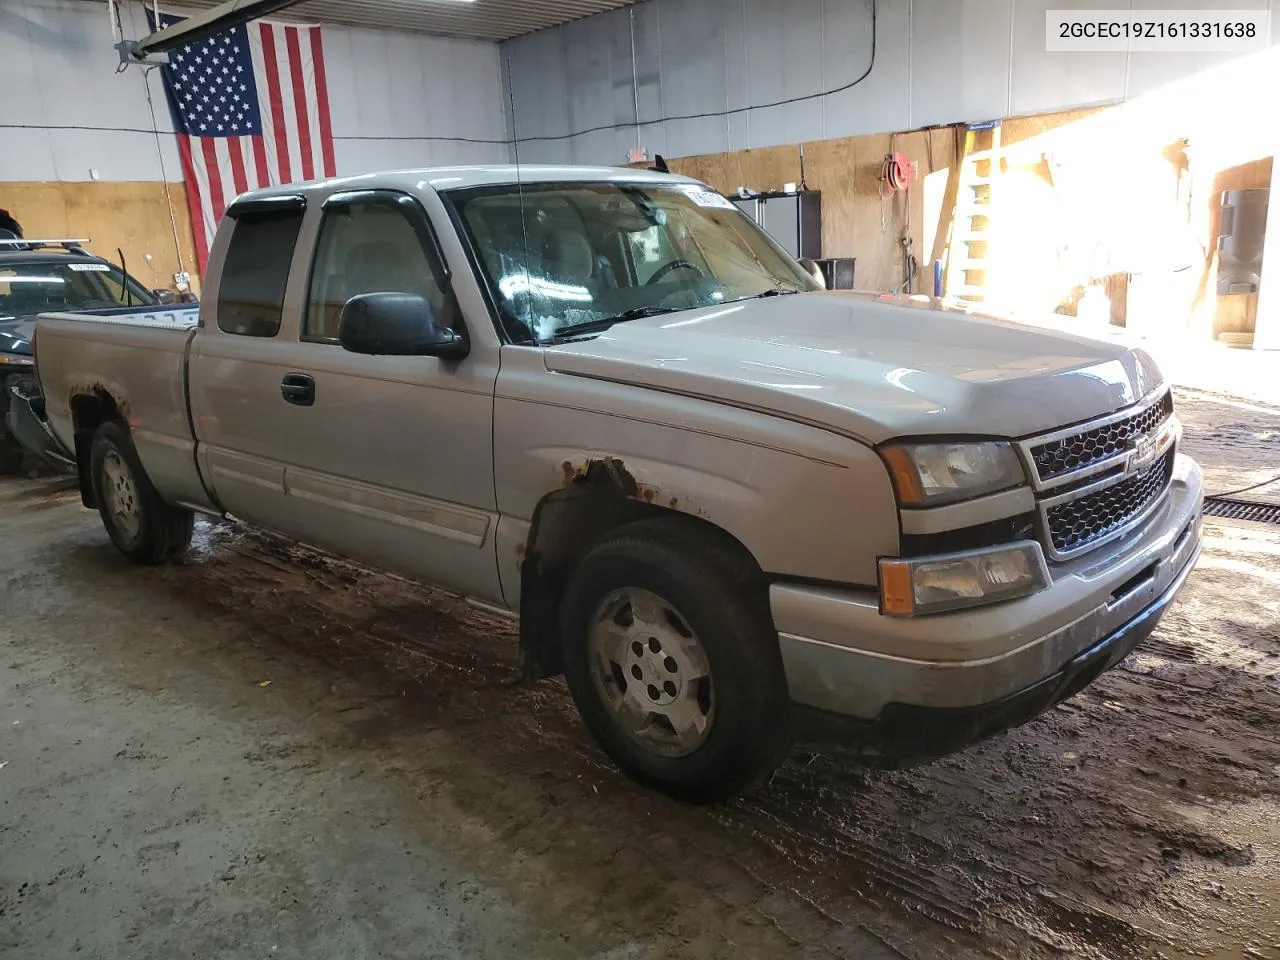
{"x":264,"y":752}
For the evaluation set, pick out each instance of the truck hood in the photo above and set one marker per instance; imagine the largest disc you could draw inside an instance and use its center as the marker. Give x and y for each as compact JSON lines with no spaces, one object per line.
{"x":872,"y":367}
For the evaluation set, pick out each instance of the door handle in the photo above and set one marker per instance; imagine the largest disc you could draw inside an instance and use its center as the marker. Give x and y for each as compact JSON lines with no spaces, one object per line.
{"x":299,"y":388}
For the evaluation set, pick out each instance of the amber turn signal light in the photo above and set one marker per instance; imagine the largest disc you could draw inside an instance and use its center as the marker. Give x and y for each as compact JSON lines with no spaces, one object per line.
{"x":896,"y":593}
{"x":906,"y":479}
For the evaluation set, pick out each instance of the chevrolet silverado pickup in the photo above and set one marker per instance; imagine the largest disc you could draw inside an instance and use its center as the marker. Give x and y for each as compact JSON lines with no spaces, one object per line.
{"x":733,"y":509}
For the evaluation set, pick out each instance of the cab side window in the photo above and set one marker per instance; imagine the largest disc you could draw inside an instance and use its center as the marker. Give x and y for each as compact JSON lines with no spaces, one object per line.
{"x":371,"y":245}
{"x":251,"y":292}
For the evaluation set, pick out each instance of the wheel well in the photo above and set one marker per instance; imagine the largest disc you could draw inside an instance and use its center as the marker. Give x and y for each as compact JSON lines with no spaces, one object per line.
{"x":594,"y":502}
{"x":88,"y":412}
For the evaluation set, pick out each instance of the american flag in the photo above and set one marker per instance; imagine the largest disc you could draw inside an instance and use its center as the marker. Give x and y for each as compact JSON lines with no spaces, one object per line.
{"x":250,"y":108}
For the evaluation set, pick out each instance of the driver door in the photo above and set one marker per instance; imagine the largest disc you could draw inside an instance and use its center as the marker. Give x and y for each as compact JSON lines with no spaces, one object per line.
{"x":389,"y":459}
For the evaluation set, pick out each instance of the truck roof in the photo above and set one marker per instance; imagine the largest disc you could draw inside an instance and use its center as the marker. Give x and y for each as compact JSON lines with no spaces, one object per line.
{"x":453,"y":178}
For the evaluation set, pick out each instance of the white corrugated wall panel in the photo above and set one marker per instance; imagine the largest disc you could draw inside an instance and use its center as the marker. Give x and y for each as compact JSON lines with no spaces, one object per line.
{"x":959,"y":58}
{"x":1041,"y":81}
{"x":65,"y":111}
{"x":57,"y":71}
{"x":936,"y":62}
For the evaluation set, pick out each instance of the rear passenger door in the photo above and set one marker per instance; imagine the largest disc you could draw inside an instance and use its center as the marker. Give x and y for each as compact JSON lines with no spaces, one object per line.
{"x":389,"y":459}
{"x":239,"y":356}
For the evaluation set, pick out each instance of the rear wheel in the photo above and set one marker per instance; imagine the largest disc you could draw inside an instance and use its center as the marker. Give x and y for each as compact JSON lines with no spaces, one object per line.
{"x":672,"y":659}
{"x":141,"y":525}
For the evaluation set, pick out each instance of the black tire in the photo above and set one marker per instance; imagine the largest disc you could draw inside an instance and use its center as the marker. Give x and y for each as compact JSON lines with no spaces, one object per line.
{"x":162,"y":531}
{"x":12,"y":457}
{"x":723,"y":600}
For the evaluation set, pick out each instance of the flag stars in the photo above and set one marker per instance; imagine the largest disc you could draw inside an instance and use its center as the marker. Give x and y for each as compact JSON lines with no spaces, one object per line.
{"x":211,"y":89}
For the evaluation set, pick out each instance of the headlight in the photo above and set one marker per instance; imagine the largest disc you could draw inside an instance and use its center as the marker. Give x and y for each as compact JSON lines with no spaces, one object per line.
{"x":936,"y":584}
{"x":16,"y":360}
{"x":927,"y":474}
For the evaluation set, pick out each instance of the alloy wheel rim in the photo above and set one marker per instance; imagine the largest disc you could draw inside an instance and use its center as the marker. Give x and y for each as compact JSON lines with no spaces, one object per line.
{"x":651,"y":672}
{"x":121,"y":495}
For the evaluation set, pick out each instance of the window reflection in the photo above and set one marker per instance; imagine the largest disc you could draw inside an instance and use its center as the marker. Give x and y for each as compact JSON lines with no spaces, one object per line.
{"x":560,"y":255}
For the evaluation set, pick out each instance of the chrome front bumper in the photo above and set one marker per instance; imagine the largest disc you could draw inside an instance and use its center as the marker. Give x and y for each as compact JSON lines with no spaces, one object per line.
{"x":843,"y":658}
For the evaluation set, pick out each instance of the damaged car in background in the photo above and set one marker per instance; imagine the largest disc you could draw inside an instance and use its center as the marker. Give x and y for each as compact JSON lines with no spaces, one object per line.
{"x":735,"y":510}
{"x":38,"y":276}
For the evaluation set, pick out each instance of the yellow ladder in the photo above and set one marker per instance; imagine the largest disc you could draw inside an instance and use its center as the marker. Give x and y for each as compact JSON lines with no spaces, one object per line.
{"x":969,"y":249}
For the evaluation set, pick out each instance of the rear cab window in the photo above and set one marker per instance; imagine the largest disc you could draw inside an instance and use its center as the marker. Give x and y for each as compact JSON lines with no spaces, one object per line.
{"x":250,"y":295}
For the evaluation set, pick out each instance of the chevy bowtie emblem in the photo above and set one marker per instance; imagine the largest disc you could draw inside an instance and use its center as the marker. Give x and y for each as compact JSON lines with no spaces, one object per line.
{"x":1145,"y":448}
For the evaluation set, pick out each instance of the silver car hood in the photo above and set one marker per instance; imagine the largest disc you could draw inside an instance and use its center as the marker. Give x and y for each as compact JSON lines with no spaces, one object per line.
{"x":868,"y":366}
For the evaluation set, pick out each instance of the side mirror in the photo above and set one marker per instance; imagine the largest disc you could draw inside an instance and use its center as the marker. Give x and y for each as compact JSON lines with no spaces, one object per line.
{"x":165,"y":296}
{"x":397,"y":324}
{"x":815,"y":271}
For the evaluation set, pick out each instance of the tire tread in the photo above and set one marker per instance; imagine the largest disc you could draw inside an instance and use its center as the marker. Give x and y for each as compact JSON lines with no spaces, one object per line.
{"x":166,"y":530}
{"x":731,"y":592}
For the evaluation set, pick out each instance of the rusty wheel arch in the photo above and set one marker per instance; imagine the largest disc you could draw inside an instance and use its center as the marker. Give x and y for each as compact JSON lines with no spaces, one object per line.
{"x":91,"y":406}
{"x":597,"y":497}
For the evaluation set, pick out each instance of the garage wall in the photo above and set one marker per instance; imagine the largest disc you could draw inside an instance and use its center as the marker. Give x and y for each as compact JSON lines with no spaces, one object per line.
{"x":409,"y":100}
{"x":79,"y":154}
{"x":935,"y":62}
{"x":396,"y":99}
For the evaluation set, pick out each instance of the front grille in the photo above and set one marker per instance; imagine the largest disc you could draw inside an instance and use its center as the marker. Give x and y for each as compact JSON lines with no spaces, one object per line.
{"x":1078,"y":450}
{"x":1087,"y":518}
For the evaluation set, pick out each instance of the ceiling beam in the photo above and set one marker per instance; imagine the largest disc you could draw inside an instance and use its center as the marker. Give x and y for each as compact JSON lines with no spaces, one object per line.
{"x":215,"y":20}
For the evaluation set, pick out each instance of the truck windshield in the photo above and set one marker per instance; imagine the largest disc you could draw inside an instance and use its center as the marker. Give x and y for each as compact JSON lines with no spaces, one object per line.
{"x":65,"y":284}
{"x":581,"y":255}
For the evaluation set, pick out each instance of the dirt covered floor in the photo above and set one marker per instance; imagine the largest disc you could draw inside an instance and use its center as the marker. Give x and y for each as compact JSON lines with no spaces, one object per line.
{"x":264,"y":752}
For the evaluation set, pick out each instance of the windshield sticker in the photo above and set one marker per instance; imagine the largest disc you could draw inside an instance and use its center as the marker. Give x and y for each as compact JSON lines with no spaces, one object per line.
{"x":89,"y":267}
{"x":709,"y":198}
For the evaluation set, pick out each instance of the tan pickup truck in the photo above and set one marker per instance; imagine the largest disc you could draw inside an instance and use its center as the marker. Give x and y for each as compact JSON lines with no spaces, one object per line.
{"x":735,"y":510}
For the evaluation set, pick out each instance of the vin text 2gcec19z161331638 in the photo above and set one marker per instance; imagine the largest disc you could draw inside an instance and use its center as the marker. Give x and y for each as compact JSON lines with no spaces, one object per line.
{"x":732,"y":508}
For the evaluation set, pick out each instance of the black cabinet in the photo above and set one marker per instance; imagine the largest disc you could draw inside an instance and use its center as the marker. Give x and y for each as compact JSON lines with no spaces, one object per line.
{"x":794,"y":220}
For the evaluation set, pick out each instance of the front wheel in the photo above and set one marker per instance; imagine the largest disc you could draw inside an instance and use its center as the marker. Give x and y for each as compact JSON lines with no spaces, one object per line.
{"x":673,"y":662}
{"x":141,"y":525}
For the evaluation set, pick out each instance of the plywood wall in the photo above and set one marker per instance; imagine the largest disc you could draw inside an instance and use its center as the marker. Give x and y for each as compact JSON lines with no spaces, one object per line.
{"x":1083,"y":198}
{"x":857,"y":220}
{"x":134,"y":217}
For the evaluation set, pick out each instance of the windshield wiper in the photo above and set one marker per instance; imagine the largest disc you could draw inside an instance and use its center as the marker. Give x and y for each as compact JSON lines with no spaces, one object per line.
{"x":604,"y":323}
{"x":772,"y":292}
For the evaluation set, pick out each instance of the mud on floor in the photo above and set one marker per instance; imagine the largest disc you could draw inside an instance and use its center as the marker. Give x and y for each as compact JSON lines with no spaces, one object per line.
{"x":1138,"y":819}
{"x":1116,"y":826}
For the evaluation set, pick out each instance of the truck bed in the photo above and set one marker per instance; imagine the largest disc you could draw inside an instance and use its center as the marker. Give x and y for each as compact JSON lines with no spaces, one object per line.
{"x":182,"y":317}
{"x":133,"y":362}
